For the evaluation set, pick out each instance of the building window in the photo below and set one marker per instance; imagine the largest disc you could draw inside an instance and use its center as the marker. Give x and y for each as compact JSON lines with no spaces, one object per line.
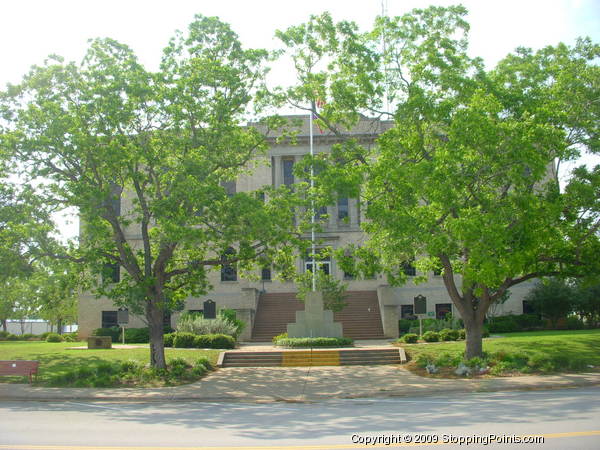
{"x":407,"y":311}
{"x":409,"y":269}
{"x":265,"y":274}
{"x":442,"y":310}
{"x":322,"y":262}
{"x":288,"y":171}
{"x":111,"y":273}
{"x":321,"y":213}
{"x":527,"y":308}
{"x":228,"y":271}
{"x":343,"y":211}
{"x":109,"y":319}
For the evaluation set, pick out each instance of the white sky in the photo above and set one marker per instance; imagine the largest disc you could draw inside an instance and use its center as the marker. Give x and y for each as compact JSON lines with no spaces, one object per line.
{"x":30,"y":30}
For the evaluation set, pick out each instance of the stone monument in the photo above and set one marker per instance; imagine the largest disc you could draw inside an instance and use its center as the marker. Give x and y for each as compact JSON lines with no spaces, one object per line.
{"x":314,"y":321}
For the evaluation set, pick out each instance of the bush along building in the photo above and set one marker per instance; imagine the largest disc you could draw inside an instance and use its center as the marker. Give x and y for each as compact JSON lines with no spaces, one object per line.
{"x":266,"y":304}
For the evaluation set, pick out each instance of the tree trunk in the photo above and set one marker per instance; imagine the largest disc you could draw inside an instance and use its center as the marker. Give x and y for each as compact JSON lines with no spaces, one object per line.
{"x":155,"y":315}
{"x":4,"y":325}
{"x":474,"y":338}
{"x":59,"y":328}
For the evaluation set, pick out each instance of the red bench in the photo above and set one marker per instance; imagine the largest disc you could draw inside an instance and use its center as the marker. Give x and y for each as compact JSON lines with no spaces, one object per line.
{"x":24,"y":368}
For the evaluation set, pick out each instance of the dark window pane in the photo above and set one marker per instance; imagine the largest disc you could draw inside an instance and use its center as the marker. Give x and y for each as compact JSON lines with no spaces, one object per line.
{"x":343,"y":211}
{"x":406,"y":311}
{"x":265,"y":274}
{"x":109,"y":319}
{"x":348,"y":276}
{"x":527,"y":308}
{"x":111,"y":273}
{"x":288,"y":172}
{"x":321,"y":213}
{"x":228,"y":271}
{"x":409,"y":269}
{"x":442,"y":309}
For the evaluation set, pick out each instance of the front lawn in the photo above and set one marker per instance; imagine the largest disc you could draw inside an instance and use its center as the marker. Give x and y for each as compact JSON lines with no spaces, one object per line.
{"x":84,"y":368}
{"x":516,"y":353}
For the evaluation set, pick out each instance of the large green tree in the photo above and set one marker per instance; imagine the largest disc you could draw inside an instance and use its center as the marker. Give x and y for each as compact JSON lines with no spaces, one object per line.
{"x":145,"y":157}
{"x":464,"y":180}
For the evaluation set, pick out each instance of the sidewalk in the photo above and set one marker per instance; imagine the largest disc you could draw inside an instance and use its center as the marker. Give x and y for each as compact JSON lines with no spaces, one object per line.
{"x":300,"y":384}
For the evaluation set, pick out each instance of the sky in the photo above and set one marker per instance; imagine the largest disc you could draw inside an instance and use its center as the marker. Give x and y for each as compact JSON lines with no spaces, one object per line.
{"x":30,"y":30}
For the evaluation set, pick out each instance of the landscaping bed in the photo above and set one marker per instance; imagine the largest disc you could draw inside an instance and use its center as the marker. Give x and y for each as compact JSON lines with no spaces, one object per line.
{"x":511,"y":354}
{"x":60,"y":366}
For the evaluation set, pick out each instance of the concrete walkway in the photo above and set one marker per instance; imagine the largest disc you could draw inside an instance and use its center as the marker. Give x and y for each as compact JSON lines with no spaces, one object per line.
{"x":300,"y":384}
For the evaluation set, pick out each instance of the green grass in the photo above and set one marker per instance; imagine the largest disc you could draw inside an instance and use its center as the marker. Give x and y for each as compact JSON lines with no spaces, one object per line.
{"x":56,"y":360}
{"x":526,"y":352}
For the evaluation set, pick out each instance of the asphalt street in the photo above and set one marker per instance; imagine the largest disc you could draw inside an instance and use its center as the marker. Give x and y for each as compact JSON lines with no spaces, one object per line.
{"x":565,"y":419}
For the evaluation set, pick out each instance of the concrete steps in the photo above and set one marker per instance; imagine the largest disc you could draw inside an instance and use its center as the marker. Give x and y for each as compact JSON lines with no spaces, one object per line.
{"x":315,"y":357}
{"x":361,"y":318}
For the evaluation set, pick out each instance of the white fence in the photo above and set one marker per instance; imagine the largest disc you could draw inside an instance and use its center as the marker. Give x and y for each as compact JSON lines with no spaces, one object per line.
{"x":34,"y":327}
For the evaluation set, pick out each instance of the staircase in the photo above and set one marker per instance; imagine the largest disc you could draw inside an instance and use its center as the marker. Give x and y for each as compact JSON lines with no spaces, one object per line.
{"x":360,"y":319}
{"x":320,"y":357}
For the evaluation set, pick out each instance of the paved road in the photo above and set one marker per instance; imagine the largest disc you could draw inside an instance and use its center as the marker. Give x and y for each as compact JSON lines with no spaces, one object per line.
{"x":567,"y":419}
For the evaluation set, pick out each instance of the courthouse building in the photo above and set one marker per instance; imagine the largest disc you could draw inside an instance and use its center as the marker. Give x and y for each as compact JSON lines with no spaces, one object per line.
{"x":373,"y":307}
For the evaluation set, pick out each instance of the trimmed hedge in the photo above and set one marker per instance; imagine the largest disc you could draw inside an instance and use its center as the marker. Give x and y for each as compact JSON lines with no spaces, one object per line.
{"x":182,"y":339}
{"x":315,"y":342}
{"x":449,"y":335}
{"x":410,"y":338}
{"x":54,"y":337}
{"x":431,"y":336}
{"x":132,"y":335}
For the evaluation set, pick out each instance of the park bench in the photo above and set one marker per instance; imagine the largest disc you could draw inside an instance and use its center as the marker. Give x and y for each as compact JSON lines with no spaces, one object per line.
{"x":24,"y":368}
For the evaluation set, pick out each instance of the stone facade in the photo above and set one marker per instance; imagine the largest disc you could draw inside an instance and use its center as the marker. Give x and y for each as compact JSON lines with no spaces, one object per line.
{"x":342,"y":228}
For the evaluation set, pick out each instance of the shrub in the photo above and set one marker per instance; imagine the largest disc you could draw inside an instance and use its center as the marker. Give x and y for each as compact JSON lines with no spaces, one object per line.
{"x":485,"y":333}
{"x":12,"y":337}
{"x":168,"y":339}
{"x":184,"y":340}
{"x":113,"y":332}
{"x":449,"y":335}
{"x":137,"y":335}
{"x":69,"y":338}
{"x":44,"y":335}
{"x":447,"y":360}
{"x":315,"y":342}
{"x":422,"y":361}
{"x":214,"y":341}
{"x":410,"y":338}
{"x":462,"y":334}
{"x":431,"y":336}
{"x":529,"y":322}
{"x":54,"y":337}
{"x":3,"y":334}
{"x":278,"y":337}
{"x":204,"y":362}
{"x":574,"y":323}
{"x":230,"y":316}
{"x":196,"y":324}
{"x":503,"y":324}
{"x":404,"y":325}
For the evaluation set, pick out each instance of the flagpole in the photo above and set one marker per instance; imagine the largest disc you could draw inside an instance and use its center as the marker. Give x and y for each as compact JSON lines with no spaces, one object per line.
{"x":312,"y":203}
